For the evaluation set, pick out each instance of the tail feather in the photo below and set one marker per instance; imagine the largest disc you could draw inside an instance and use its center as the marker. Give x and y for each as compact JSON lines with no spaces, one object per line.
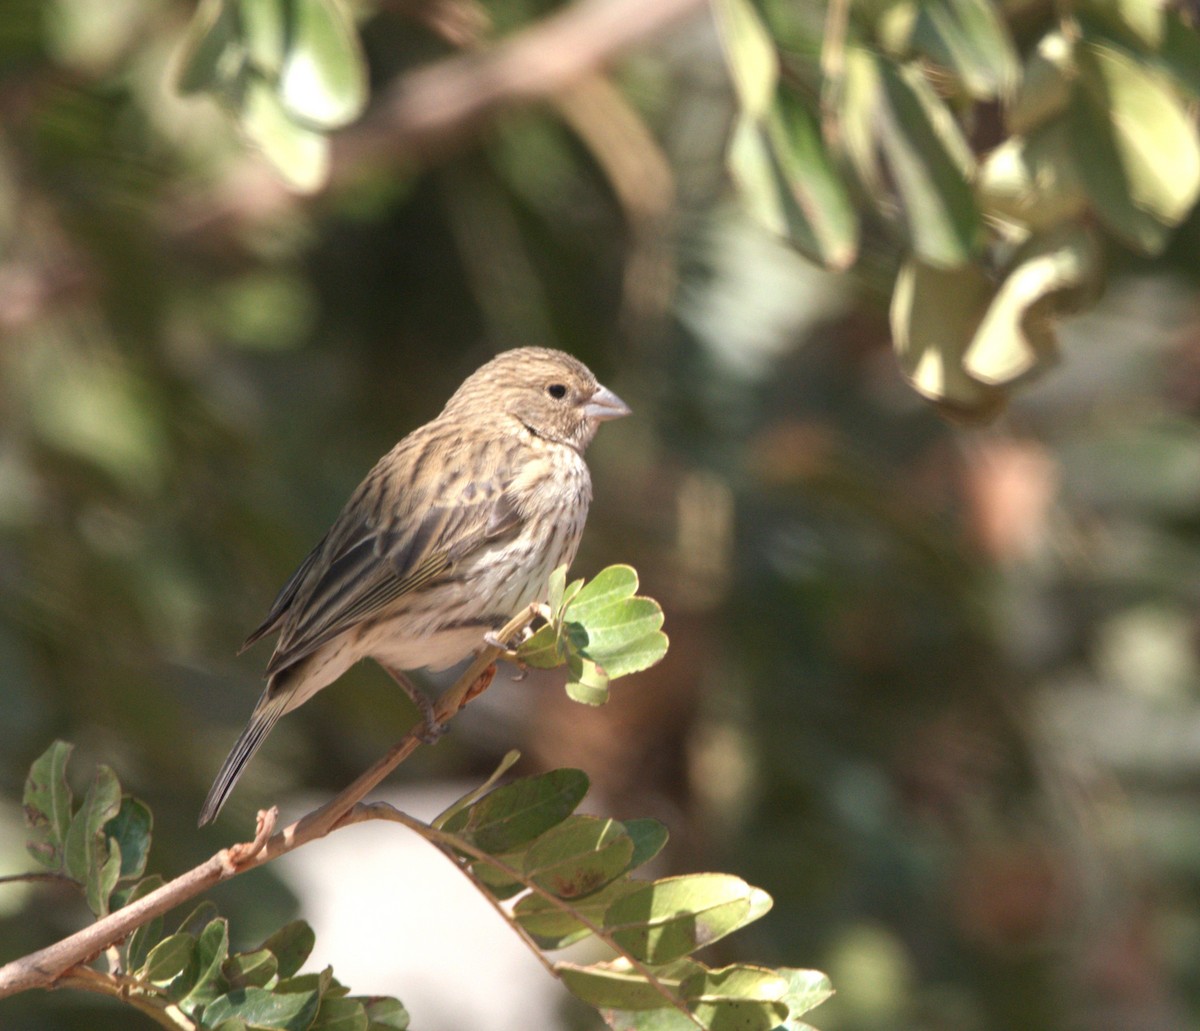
{"x":270,"y":707}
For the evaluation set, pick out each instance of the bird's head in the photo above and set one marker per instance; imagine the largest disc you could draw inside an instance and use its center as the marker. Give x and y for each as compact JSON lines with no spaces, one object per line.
{"x":554,"y":395}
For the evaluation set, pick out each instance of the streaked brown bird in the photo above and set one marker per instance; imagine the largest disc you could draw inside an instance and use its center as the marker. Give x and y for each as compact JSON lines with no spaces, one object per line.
{"x":454,"y":531}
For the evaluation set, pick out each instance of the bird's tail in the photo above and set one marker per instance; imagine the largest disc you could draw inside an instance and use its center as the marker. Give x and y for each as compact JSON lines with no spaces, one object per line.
{"x":270,"y":707}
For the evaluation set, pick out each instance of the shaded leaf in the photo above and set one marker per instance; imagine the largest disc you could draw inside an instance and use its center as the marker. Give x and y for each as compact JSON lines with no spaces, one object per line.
{"x":86,"y":851}
{"x":250,"y":969}
{"x":518,"y":812}
{"x":291,"y":946}
{"x":169,"y":958}
{"x":198,"y":919}
{"x":209,"y":56}
{"x":579,"y":856}
{"x":970,"y":38}
{"x":510,"y":759}
{"x":340,"y":1014}
{"x":212,"y":949}
{"x":588,"y":682}
{"x":1034,"y":180}
{"x":137,"y":948}
{"x":385,"y":1014}
{"x":47,"y":804}
{"x":259,"y":1008}
{"x":102,"y":879}
{"x":131,"y":829}
{"x":648,"y":836}
{"x":1045,"y":89}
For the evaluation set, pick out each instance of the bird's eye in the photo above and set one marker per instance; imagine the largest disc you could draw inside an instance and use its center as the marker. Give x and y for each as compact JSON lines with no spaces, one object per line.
{"x":557,"y":391}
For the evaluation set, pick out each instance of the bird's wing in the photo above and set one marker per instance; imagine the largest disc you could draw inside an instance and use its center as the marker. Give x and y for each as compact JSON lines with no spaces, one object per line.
{"x":362,"y":568}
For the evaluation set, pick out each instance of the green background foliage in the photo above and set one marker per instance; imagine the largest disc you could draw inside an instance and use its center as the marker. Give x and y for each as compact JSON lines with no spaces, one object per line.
{"x":934,"y":688}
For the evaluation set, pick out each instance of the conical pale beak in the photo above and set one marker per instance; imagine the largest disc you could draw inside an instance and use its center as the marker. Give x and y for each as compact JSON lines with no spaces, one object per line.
{"x":605,"y":405}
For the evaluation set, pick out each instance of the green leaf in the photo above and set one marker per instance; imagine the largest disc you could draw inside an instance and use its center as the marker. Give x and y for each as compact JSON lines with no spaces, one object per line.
{"x":623,"y":634}
{"x":970,"y":38}
{"x":1034,"y":180}
{"x":323,"y":81}
{"x":648,"y":836}
{"x":131,"y":830}
{"x":1045,"y":89}
{"x":510,"y":759}
{"x":749,"y":53}
{"x":1142,"y":171}
{"x":260,"y":1008}
{"x":499,"y":882}
{"x":931,"y":165}
{"x":737,"y":998}
{"x":137,"y":948}
{"x":806,"y":990}
{"x":670,"y":918}
{"x":210,"y":56}
{"x":1141,"y":22}
{"x":934,"y":317}
{"x":169,"y":958}
{"x":790,"y":184}
{"x":212,"y":949}
{"x":1016,"y":336}
{"x":553,"y":927}
{"x":264,"y":33}
{"x":385,"y":1014}
{"x":1180,"y":54}
{"x":198,"y":919}
{"x":579,"y":856}
{"x":87,"y":851}
{"x":291,"y":945}
{"x":614,"y":986}
{"x":299,"y":154}
{"x":47,"y":804}
{"x":103,"y":879}
{"x":588,"y":682}
{"x":340,"y":1014}
{"x":250,"y":969}
{"x":518,"y":812}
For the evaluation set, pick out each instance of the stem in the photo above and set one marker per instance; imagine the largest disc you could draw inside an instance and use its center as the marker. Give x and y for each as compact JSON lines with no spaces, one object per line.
{"x":47,"y":967}
{"x":445,"y":841}
{"x":131,"y":991}
{"x":38,"y":875}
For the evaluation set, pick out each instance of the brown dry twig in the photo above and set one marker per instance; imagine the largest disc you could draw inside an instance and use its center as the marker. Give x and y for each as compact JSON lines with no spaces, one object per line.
{"x":47,"y":967}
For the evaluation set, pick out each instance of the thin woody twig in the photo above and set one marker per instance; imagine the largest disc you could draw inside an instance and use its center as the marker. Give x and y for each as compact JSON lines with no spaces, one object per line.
{"x":46,"y":967}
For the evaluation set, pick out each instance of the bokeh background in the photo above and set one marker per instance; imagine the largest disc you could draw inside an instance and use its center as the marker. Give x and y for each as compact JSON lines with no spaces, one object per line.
{"x":935,"y":688}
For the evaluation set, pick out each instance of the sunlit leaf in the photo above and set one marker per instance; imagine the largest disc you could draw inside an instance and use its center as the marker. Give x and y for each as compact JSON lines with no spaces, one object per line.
{"x":615,"y":986}
{"x":806,"y":990}
{"x":736,"y":998}
{"x":210,"y":55}
{"x":749,"y":53}
{"x":86,"y":851}
{"x":935,"y":314}
{"x":790,"y":184}
{"x":670,"y":918}
{"x":299,"y":154}
{"x":1143,"y":167}
{"x":323,"y":81}
{"x":970,"y":38}
{"x":1045,"y":89}
{"x":1015,"y":336}
{"x":554,"y":927}
{"x":1034,"y":180}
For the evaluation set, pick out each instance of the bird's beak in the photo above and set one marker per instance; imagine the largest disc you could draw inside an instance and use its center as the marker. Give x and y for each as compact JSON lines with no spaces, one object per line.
{"x":604,"y":405}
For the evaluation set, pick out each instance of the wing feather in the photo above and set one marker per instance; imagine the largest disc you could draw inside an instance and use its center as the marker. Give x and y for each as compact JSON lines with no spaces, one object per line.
{"x":360,"y":568}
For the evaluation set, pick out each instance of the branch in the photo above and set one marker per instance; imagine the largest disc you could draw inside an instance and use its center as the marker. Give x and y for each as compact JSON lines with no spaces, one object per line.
{"x":46,"y":967}
{"x":435,"y":108}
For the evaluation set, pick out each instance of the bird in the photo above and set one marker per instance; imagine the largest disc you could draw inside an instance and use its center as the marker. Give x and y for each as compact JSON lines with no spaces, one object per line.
{"x":453,"y":531}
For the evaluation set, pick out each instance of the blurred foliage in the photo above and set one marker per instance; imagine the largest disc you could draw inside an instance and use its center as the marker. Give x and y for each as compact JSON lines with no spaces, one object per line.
{"x":937,"y":690}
